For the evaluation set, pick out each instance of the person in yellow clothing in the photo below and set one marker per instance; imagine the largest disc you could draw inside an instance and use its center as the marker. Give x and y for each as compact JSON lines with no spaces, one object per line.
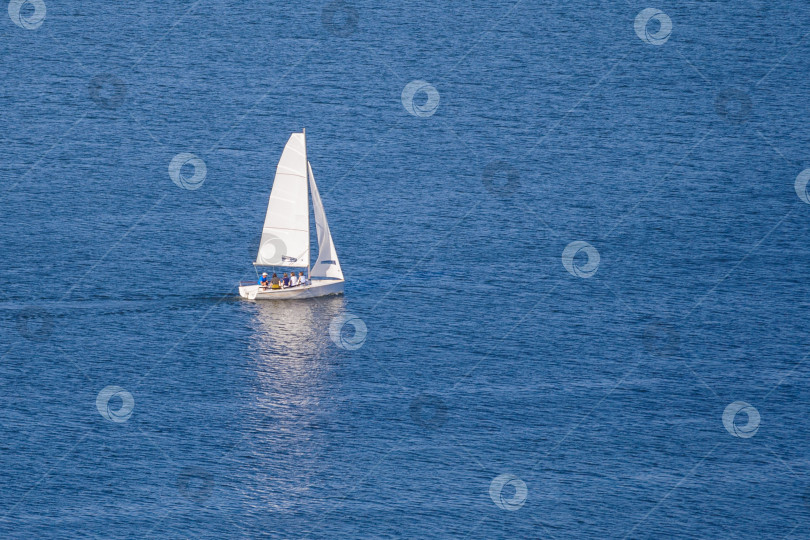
{"x":274,"y":282}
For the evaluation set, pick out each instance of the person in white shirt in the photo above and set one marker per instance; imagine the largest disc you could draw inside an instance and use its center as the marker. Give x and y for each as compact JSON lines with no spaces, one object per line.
{"x":293,"y":279}
{"x":302,"y":280}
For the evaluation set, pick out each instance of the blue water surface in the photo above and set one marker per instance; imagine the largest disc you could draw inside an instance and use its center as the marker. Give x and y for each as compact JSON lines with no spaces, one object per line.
{"x":495,"y":380}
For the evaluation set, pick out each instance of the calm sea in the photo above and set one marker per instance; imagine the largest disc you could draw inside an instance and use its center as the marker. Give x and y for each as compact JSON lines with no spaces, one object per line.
{"x":575,"y":243}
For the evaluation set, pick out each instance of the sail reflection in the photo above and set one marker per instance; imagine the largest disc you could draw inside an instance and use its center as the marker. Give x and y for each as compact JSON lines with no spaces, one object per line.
{"x":294,"y":329}
{"x":292,"y":356}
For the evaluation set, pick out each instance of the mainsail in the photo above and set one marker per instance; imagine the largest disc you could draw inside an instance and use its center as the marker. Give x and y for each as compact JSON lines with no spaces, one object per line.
{"x":327,"y":265}
{"x":285,"y":235}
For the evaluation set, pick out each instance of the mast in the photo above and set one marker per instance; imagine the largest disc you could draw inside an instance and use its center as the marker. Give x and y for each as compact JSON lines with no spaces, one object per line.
{"x":306,"y":160}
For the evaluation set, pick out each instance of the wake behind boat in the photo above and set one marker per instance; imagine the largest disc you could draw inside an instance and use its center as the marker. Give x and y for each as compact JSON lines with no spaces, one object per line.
{"x":285,"y":241}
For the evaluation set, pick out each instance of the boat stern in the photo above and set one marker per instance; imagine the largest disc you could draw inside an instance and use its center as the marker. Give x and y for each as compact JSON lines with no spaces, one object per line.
{"x":248,"y":289}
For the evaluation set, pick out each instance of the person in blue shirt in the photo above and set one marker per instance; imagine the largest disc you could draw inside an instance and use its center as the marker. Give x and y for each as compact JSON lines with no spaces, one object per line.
{"x":264,"y":282}
{"x":285,"y":280}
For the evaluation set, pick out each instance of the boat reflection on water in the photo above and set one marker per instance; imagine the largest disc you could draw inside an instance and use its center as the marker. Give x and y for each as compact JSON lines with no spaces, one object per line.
{"x":296,"y":329}
{"x":293,"y":358}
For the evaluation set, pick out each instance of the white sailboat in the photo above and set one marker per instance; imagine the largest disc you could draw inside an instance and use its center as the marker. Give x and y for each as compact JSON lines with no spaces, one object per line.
{"x":285,"y":235}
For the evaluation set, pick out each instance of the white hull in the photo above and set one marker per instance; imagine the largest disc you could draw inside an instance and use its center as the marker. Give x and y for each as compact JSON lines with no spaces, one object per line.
{"x":317,"y":288}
